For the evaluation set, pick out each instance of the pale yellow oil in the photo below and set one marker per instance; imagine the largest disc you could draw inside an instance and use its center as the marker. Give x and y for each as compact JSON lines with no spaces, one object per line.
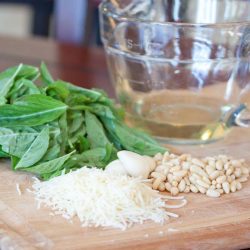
{"x":179,"y":118}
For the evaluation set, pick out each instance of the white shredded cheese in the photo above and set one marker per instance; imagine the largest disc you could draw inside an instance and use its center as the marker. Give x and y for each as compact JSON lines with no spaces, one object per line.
{"x":18,"y":189}
{"x":99,"y":198}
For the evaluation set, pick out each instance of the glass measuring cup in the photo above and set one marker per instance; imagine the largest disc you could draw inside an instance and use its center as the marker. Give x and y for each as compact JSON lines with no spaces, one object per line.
{"x":181,"y":68}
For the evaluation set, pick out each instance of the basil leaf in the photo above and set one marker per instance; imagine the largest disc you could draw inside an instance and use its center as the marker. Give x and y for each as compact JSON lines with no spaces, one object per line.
{"x":31,"y":110}
{"x":58,"y":91}
{"x":95,"y":132}
{"x":64,"y":132}
{"x":49,"y":166}
{"x":16,"y":141}
{"x":3,"y":154}
{"x":45,"y":75}
{"x":36,"y":150}
{"x":6,"y":82}
{"x":130,"y":140}
{"x":75,"y":121}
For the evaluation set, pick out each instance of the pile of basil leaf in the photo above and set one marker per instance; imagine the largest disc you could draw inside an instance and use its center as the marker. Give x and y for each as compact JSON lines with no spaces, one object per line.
{"x":50,"y":127}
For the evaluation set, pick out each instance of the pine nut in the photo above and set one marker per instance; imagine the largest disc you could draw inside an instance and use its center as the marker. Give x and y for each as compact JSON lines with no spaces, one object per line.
{"x":227,"y":166}
{"x":156,"y":183}
{"x":183,"y":157}
{"x":197,"y":170}
{"x":182,"y":185}
{"x":192,"y":180}
{"x":201,"y":189}
{"x":202,"y":183}
{"x":170,"y":177}
{"x":177,"y":178}
{"x":232,"y":177}
{"x":229,"y":179}
{"x":221,"y":179}
{"x":168,"y":186}
{"x":226,"y":187}
{"x":236,"y":163}
{"x":197,"y":162}
{"x":211,"y":175}
{"x":174,"y":191}
{"x":233,"y":186}
{"x":196,"y":176}
{"x":193,"y":188}
{"x":205,"y":179}
{"x":238,"y":185}
{"x":165,"y":157}
{"x":221,"y":191}
{"x":185,"y":165}
{"x":161,"y":187}
{"x":229,"y":171}
{"x":214,"y":175}
{"x":211,"y":163}
{"x":245,"y":170}
{"x":187,"y":189}
{"x":160,"y":168}
{"x":210,"y":169}
{"x":213,"y":193}
{"x":242,"y":161}
{"x":222,"y":172}
{"x":242,"y":179}
{"x":237,"y":172}
{"x":158,"y":157}
{"x":205,"y":160}
{"x":187,"y":181}
{"x":177,"y":162}
{"x":224,"y":159}
{"x":158,"y":175}
{"x":180,"y":173}
{"x":158,"y":162}
{"x":174,"y":169}
{"x":172,"y":156}
{"x":219,"y":165}
{"x":168,"y":164}
{"x":174,"y":183}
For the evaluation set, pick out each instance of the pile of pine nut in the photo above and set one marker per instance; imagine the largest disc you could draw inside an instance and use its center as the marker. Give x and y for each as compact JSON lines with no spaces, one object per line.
{"x":212,"y":176}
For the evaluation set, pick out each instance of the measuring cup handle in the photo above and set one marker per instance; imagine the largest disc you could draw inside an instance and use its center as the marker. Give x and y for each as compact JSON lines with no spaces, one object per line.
{"x":239,"y":117}
{"x":243,"y":118}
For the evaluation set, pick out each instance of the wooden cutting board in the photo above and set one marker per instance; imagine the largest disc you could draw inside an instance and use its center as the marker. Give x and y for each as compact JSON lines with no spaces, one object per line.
{"x":204,"y":223}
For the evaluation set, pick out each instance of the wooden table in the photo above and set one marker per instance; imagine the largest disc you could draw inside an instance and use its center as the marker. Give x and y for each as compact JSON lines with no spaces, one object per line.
{"x":82,"y":66}
{"x":205,"y":223}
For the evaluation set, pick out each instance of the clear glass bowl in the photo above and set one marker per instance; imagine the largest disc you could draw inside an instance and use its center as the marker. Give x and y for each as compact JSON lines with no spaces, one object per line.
{"x":180,"y":68}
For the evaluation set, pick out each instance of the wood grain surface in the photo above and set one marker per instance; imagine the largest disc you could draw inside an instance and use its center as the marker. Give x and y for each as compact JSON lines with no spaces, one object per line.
{"x":204,"y":223}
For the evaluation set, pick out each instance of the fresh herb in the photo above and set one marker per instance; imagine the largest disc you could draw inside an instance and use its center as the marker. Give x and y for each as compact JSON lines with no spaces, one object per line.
{"x":54,"y":127}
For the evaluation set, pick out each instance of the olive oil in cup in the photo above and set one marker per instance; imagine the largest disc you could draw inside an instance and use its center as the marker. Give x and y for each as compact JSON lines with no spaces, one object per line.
{"x":182,"y":71}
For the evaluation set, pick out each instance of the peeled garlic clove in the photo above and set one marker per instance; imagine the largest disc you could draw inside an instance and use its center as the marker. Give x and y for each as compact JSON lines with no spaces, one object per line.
{"x":151,"y":162}
{"x":116,"y":167}
{"x":135,"y":164}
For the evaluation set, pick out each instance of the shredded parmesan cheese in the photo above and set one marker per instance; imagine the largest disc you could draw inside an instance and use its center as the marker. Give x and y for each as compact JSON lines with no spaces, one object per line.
{"x":18,"y":189}
{"x":99,"y":198}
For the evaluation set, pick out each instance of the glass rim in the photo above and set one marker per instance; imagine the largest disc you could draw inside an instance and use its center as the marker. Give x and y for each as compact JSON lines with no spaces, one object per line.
{"x":103,"y":8}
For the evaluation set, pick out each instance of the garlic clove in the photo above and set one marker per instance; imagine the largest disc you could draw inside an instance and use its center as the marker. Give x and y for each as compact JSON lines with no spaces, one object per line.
{"x":151,"y":162}
{"x":116,"y":167}
{"x":135,"y":164}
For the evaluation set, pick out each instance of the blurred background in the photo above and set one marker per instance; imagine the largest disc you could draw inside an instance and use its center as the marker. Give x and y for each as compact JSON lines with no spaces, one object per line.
{"x":70,"y":21}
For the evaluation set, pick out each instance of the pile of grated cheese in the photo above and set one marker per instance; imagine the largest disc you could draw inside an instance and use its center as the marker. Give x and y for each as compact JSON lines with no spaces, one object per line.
{"x":99,"y":198}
